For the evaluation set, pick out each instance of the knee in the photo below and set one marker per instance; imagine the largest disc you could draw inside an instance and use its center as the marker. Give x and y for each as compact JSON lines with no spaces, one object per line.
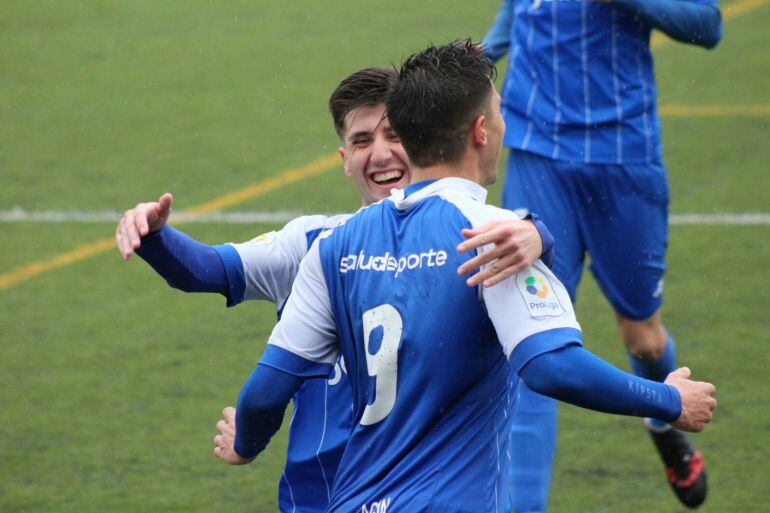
{"x":645,"y":339}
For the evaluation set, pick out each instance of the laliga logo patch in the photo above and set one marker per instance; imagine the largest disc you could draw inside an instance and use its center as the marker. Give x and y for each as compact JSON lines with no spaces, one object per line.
{"x":538,"y":294}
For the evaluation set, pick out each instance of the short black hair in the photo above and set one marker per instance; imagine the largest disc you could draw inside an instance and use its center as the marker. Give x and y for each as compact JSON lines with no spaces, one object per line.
{"x":437,"y":95}
{"x":364,"y":88}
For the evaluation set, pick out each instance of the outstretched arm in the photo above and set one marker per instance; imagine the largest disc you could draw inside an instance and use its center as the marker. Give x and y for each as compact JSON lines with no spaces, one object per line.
{"x":185,"y":263}
{"x":536,"y":326}
{"x":574,"y":375}
{"x":696,"y":22}
{"x":263,"y":268}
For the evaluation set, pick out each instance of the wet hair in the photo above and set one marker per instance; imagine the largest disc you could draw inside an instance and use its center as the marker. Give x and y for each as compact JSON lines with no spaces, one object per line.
{"x":436,"y":97}
{"x":364,"y":88}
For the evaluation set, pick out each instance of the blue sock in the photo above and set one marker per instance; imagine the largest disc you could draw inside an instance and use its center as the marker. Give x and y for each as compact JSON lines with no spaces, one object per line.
{"x":656,"y":371}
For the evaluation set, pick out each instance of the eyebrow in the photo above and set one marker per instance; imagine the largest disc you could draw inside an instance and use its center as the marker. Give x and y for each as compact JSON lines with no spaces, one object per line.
{"x":361,"y":133}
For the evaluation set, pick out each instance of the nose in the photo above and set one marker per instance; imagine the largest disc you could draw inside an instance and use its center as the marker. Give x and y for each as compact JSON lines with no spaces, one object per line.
{"x":381,"y":151}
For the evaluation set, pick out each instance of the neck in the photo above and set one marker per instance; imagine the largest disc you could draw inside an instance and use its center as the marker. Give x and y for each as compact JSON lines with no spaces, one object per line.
{"x":464,"y":168}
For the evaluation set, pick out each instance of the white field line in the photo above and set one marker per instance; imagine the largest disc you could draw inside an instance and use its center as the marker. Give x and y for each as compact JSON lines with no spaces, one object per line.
{"x":19,"y":215}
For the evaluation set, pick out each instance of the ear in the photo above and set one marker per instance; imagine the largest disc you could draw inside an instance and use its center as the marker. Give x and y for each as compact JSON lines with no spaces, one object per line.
{"x":479,"y":131}
{"x":345,"y":163}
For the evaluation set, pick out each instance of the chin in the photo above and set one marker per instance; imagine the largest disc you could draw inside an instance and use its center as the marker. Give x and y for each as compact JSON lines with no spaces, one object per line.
{"x":400,"y":185}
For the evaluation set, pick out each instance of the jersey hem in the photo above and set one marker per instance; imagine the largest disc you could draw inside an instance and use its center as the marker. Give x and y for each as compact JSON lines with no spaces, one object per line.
{"x":543,"y":342}
{"x":285,"y":361}
{"x":236,"y":281}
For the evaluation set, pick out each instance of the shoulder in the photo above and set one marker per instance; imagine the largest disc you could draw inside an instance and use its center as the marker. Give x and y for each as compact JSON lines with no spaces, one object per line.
{"x":304,"y":230}
{"x":309,"y":223}
{"x":477,"y":212}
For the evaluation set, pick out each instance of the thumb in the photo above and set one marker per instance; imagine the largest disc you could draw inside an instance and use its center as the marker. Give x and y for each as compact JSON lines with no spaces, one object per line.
{"x":682,"y":372}
{"x":164,"y":205}
{"x":229,"y":414}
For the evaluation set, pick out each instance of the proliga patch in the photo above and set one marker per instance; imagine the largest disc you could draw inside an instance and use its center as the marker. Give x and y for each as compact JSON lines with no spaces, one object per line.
{"x":538,"y":294}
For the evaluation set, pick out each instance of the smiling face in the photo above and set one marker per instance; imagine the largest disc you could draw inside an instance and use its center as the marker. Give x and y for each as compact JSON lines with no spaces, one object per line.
{"x":372,"y":154}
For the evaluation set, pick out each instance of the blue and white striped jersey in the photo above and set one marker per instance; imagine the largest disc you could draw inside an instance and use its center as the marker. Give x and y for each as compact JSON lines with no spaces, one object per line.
{"x":580,"y":84}
{"x":265,"y":268}
{"x":428,"y":358}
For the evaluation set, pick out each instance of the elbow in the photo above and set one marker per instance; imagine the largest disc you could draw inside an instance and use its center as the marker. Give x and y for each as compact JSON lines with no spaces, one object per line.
{"x":711,"y":42}
{"x":182,"y":285}
{"x":712,"y":35}
{"x":540,"y":386}
{"x":544,"y":376}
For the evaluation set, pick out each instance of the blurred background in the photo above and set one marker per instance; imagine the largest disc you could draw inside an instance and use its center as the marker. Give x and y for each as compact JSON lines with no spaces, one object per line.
{"x":111,"y":382}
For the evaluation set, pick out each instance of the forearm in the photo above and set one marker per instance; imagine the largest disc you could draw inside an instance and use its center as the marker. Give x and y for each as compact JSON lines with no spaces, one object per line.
{"x":498,"y":39}
{"x":183,"y":262}
{"x":576,"y":376}
{"x":261,"y":407}
{"x":684,"y":20}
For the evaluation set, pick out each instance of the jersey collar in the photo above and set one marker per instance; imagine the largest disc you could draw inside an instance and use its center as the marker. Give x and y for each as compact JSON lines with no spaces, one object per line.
{"x":414,"y":187}
{"x":413,"y":193}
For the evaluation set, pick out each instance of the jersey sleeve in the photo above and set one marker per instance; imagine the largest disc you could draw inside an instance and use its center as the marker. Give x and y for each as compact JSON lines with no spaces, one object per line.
{"x":265,"y":267}
{"x":697,"y":22}
{"x":531,"y":311}
{"x":532,"y":314}
{"x":304,"y":342}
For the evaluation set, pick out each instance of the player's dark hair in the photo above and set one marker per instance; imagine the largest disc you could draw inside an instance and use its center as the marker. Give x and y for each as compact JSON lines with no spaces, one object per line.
{"x":437,"y":95}
{"x":364,"y":88}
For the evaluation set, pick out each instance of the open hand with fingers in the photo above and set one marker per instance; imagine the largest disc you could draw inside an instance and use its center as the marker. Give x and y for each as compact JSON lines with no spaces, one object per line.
{"x":224,"y":442}
{"x":140,"y":221}
{"x":517,"y":246}
{"x":698,"y":401}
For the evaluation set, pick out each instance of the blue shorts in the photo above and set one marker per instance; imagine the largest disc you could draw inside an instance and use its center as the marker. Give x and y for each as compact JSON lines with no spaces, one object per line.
{"x":618,"y":214}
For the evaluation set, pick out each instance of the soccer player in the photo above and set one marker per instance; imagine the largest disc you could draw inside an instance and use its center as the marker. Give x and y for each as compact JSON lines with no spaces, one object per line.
{"x":579,"y":102}
{"x":265,"y":268}
{"x":430,"y":359}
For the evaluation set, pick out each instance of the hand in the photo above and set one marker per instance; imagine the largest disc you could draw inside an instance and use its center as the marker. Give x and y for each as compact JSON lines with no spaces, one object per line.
{"x":224,"y":442}
{"x":697,"y":400}
{"x":143,"y":219}
{"x":517,"y":246}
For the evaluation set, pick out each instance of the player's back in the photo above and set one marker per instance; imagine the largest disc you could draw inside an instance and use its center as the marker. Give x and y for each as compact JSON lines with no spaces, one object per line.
{"x":428,"y":373}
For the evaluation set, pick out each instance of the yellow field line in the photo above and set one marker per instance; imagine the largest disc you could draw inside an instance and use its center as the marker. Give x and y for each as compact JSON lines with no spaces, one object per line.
{"x":323,"y":164}
{"x":730,"y":11}
{"x":313,"y":168}
{"x":714,"y":110}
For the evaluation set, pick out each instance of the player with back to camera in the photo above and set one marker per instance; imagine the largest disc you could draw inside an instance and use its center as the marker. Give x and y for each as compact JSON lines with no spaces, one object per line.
{"x":265,"y":268}
{"x":579,"y":101}
{"x":430,"y":360}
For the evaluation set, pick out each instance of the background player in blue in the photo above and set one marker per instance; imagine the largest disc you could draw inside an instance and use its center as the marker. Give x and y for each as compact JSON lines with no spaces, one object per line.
{"x":579,"y":101}
{"x":265,"y":268}
{"x":429,"y":359}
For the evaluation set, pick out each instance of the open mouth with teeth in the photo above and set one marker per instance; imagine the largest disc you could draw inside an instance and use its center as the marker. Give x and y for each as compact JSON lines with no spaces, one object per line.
{"x":388,"y":177}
